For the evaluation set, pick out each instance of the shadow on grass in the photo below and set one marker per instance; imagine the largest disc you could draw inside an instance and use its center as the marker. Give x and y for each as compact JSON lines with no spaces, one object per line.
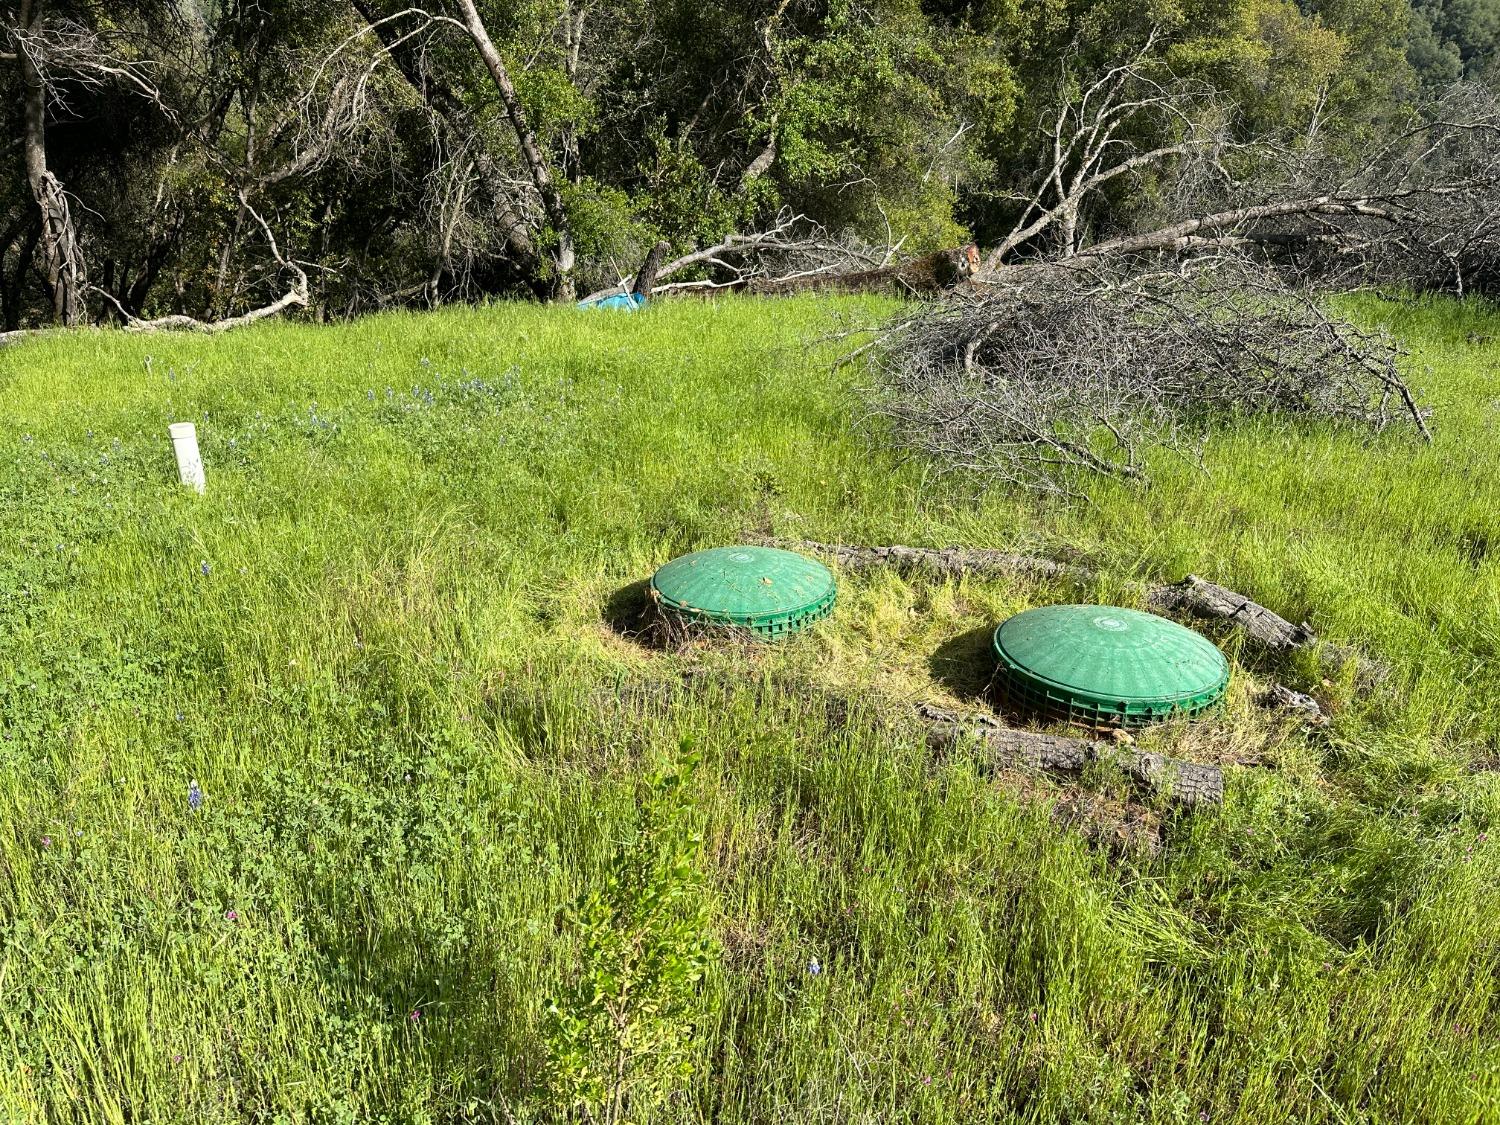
{"x":629,"y":613}
{"x":632,"y":615}
{"x":964,"y":664}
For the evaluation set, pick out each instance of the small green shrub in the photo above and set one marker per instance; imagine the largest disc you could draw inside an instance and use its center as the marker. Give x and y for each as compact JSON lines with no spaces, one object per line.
{"x":620,"y":1036}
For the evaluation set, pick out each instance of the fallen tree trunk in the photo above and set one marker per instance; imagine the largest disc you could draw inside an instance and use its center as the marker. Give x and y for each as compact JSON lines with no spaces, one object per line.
{"x":781,"y":237}
{"x":931,"y":275}
{"x":1188,"y":784}
{"x":946,"y":562}
{"x":1192,"y":596}
{"x":1207,"y":600}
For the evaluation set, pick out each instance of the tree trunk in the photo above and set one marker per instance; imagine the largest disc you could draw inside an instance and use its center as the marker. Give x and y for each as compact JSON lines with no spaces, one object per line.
{"x":645,"y":278}
{"x":536,"y":162}
{"x":59,"y":242}
{"x":448,"y":106}
{"x":13,"y":288}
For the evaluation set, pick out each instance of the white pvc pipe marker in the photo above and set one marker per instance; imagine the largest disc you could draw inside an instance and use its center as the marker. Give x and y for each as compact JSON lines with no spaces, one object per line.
{"x":185,"y":445}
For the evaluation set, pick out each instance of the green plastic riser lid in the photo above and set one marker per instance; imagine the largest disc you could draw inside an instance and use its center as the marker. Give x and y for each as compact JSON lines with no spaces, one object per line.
{"x":1105,"y":666}
{"x":770,"y":592}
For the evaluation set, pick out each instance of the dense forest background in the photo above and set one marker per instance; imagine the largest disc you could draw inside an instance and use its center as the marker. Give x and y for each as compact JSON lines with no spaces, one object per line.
{"x":205,"y":158}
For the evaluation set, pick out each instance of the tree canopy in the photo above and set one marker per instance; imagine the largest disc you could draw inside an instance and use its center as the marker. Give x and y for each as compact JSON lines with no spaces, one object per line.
{"x":210,"y":158}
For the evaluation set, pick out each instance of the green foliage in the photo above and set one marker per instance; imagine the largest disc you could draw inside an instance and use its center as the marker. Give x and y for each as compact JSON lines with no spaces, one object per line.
{"x":913,"y":119}
{"x":607,"y":230}
{"x":619,"y":1039}
{"x":1278,"y":63}
{"x":1376,"y":77}
{"x":684,"y":201}
{"x":866,"y":118}
{"x":1453,"y":39}
{"x":555,"y":104}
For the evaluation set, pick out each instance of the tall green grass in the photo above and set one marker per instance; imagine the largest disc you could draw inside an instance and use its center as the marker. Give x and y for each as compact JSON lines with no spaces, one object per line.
{"x":384,"y":644}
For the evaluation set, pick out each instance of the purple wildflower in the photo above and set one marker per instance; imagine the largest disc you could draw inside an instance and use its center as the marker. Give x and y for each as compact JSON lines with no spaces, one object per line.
{"x":231,"y":915}
{"x":46,"y":841}
{"x":195,"y":796}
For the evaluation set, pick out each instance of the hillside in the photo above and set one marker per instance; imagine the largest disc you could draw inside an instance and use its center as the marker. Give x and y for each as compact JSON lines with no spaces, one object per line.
{"x":390,"y":645}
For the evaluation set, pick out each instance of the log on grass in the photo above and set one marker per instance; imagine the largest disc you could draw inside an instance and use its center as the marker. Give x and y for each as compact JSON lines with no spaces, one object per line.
{"x":1188,"y":784}
{"x":1208,"y":600}
{"x":946,"y":562}
{"x":1193,"y":596}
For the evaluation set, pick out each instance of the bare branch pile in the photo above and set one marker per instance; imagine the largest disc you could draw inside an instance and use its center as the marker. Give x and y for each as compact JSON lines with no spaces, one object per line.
{"x":1067,"y":370}
{"x":1438,"y":220}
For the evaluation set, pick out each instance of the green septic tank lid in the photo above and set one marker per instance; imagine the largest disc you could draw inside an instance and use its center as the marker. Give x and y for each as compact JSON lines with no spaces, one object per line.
{"x":770,"y":592}
{"x":1105,"y":666}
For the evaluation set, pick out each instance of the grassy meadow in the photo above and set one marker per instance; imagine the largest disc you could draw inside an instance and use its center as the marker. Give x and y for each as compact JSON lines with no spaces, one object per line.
{"x":448,"y":798}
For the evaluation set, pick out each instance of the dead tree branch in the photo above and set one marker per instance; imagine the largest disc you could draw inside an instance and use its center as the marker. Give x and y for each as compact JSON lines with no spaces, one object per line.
{"x":743,"y":257}
{"x":296,"y":295}
{"x":1091,"y":140}
{"x":1421,"y":208}
{"x":538,"y":168}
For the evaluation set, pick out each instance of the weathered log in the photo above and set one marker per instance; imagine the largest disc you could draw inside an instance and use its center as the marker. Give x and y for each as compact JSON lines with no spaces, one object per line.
{"x":1193,"y":596}
{"x":1188,"y":784}
{"x":1199,"y":598}
{"x":931,"y":275}
{"x":947,"y":562}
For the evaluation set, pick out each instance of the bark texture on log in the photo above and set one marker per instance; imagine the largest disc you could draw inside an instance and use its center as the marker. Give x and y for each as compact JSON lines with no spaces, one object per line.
{"x":1188,"y":784}
{"x":1212,"y":602}
{"x":1192,"y":596}
{"x":946,"y":562}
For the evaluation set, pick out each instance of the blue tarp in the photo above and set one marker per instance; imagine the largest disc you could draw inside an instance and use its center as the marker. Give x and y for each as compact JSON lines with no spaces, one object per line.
{"x":627,"y":301}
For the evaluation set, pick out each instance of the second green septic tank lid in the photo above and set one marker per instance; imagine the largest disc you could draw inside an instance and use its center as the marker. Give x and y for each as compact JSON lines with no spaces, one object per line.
{"x":768,"y":591}
{"x":1106,"y":666}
